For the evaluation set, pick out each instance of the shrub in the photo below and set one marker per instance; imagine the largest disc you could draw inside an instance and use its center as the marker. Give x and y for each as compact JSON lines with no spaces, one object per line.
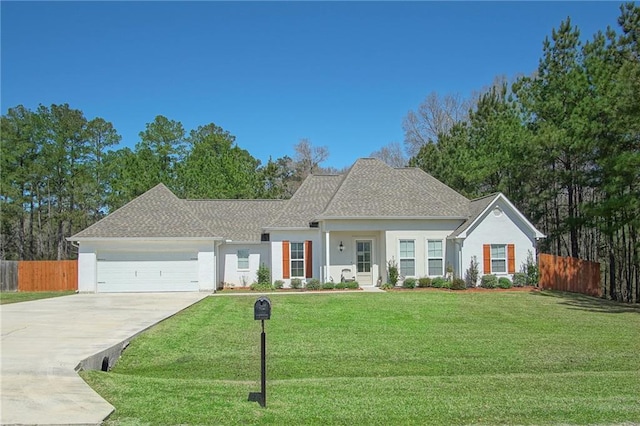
{"x":296,"y":283}
{"x":328,"y":286}
{"x":314,"y":284}
{"x":392,"y":270}
{"x":424,"y":282}
{"x":504,"y":282}
{"x":386,"y":286}
{"x":264,"y":274}
{"x":530,"y":268}
{"x":261,"y":287}
{"x":519,"y":279}
{"x":340,"y":286}
{"x":489,"y":281}
{"x":409,"y":283}
{"x":458,"y":284}
{"x":439,"y":282}
{"x":471,"y":274}
{"x":353,"y":285}
{"x":278,"y":284}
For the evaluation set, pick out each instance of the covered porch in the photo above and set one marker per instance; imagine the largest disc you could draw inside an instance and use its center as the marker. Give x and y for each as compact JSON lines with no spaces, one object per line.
{"x":354,"y":255}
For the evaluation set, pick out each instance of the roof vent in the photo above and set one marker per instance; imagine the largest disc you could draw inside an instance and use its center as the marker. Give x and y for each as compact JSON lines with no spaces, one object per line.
{"x":313,"y":224}
{"x":264,"y":237}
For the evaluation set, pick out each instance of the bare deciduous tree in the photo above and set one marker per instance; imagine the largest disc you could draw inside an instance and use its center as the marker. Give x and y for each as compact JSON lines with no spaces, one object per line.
{"x":435,"y":115}
{"x":391,"y":154}
{"x":309,"y":157}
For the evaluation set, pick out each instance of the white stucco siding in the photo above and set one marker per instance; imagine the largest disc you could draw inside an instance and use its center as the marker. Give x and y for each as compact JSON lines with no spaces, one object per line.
{"x":182,"y":265}
{"x":317,"y":248}
{"x":229,"y":272}
{"x":503,"y":228}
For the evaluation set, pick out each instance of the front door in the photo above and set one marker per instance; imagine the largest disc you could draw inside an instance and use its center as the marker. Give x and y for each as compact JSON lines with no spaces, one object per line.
{"x":364,"y":276}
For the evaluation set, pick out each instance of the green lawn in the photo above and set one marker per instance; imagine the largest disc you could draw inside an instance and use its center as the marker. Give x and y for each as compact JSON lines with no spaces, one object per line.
{"x":385,"y":358}
{"x":30,"y":295}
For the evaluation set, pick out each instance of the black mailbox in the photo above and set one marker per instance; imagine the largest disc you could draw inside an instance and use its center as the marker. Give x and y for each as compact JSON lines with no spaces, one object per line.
{"x":262,"y":309}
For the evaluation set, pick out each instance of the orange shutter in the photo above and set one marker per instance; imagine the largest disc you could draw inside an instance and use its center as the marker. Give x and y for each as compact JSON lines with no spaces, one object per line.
{"x":286,"y":266}
{"x":511,"y":258}
{"x":486,"y":258}
{"x":308,"y":259}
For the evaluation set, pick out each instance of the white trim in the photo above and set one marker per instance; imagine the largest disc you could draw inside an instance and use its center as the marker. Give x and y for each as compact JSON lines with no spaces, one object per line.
{"x":291,"y":259}
{"x":491,"y":206}
{"x":443,"y":257}
{"x":400,"y":258}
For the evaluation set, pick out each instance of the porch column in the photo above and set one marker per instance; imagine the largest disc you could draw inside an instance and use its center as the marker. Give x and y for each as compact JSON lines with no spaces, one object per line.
{"x":327,"y":250}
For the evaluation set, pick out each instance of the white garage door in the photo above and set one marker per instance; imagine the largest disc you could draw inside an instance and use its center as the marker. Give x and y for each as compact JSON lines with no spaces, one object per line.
{"x":147,"y":272}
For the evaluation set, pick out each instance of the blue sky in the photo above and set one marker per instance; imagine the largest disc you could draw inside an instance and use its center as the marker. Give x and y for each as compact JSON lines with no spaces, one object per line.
{"x":341,"y":74}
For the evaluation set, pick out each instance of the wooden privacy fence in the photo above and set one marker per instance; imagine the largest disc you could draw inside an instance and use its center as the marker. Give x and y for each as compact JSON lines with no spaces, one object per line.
{"x":569,"y":274}
{"x":40,"y":275}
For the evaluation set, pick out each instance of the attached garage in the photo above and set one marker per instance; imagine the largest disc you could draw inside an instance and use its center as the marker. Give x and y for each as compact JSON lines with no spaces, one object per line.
{"x":119,"y":272}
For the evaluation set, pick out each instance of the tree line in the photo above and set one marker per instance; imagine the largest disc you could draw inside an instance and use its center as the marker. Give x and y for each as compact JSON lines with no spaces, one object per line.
{"x":562,"y":144}
{"x":62,"y":172}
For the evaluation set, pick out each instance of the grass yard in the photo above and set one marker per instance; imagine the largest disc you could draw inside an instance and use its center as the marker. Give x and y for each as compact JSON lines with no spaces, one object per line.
{"x":15,"y":297}
{"x":385,"y":358}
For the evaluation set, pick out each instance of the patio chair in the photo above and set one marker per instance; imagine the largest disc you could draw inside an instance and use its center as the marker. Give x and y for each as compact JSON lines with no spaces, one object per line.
{"x":347,"y":275}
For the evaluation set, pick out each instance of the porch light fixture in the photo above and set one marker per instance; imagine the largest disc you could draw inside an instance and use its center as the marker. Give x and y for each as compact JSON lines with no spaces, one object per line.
{"x":341,"y":246}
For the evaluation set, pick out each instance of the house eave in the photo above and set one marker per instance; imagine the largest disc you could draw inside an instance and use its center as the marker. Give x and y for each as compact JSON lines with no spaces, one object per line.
{"x":81,"y":239}
{"x":392,"y":218}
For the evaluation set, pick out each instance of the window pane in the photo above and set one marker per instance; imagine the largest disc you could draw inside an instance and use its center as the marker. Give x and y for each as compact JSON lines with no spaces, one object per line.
{"x":498,"y":265}
{"x":407,"y":267}
{"x":498,"y":251}
{"x":297,"y":251}
{"x":297,"y":268}
{"x":435,"y":267}
{"x":407,"y":248}
{"x":243,"y":259}
{"x":435,"y":248}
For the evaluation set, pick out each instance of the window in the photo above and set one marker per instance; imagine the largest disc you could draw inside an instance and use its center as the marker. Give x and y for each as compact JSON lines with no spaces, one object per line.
{"x":243,"y":259}
{"x":407,"y":258}
{"x":297,"y":259}
{"x":435,"y":258}
{"x":498,"y":258}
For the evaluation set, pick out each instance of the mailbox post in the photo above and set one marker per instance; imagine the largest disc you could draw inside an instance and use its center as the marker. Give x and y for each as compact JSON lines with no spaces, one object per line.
{"x":262,"y":311}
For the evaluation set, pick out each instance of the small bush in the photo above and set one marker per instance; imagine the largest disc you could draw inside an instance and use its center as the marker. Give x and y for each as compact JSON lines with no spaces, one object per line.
{"x":458,"y":284}
{"x":424,"y":282}
{"x":261,"y":287}
{"x":386,"y":286}
{"x":471,"y":274}
{"x":328,"y":286}
{"x":489,"y":281}
{"x":340,"y":286}
{"x":264,"y":274}
{"x":530,"y":268}
{"x":392,"y":269}
{"x":314,"y":284}
{"x":439,"y":282}
{"x":352,"y":285}
{"x":278,"y":284}
{"x":409,"y":283}
{"x":519,"y":279}
{"x":504,"y":282}
{"x":296,"y":283}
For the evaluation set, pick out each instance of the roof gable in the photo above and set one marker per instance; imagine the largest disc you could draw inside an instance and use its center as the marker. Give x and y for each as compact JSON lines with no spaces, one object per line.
{"x":478,"y":209}
{"x":372,"y":189}
{"x":308,"y":201}
{"x":157,"y":213}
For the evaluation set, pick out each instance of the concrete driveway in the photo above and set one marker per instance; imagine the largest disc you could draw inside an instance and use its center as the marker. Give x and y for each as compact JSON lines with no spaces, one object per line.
{"x":43,"y":341}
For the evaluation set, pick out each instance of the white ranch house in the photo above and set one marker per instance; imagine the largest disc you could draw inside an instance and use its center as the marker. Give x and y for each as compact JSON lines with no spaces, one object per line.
{"x":334,"y":225}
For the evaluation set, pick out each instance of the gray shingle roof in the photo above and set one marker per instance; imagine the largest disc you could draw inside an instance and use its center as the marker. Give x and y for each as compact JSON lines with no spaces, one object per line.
{"x":373,"y":189}
{"x":308,"y":201}
{"x":370,"y":189}
{"x":476,"y":207}
{"x":237,"y":220}
{"x":157,"y":213}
